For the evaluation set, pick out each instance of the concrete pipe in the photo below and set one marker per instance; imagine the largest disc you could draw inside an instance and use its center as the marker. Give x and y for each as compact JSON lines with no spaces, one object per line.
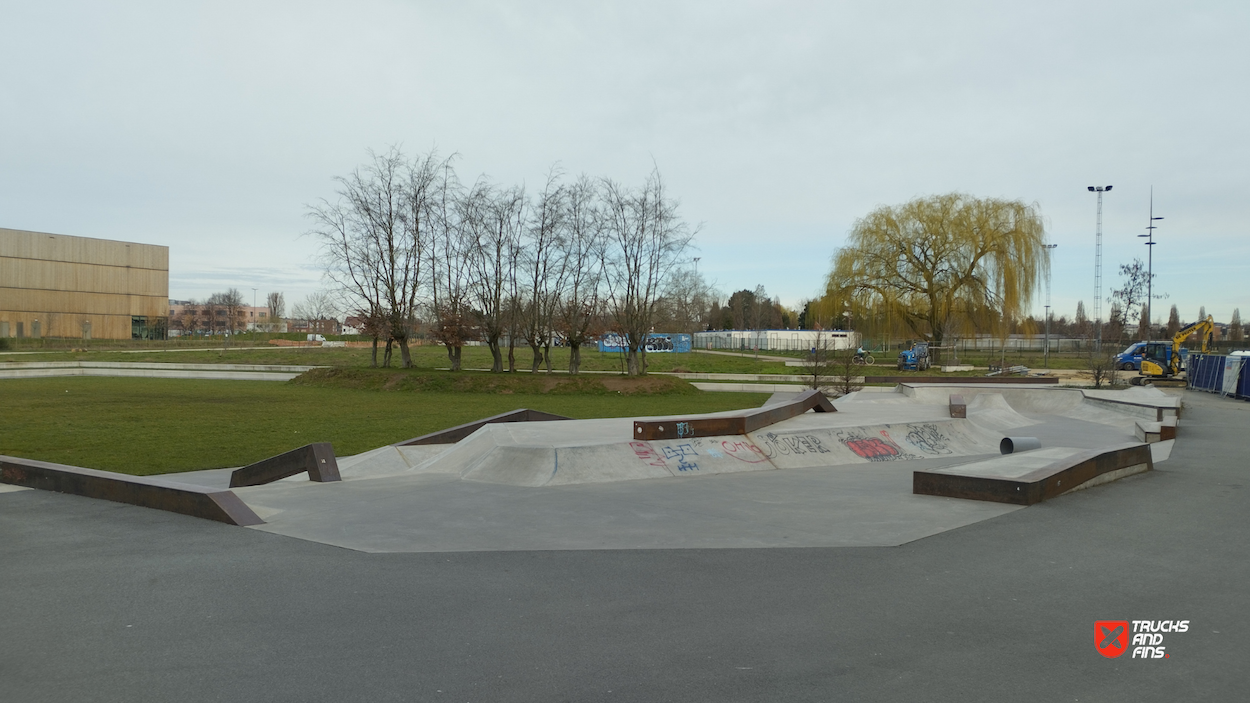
{"x":1012,"y":445}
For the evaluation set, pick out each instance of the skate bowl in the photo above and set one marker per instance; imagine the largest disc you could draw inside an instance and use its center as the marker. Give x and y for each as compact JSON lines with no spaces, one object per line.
{"x":889,"y":466}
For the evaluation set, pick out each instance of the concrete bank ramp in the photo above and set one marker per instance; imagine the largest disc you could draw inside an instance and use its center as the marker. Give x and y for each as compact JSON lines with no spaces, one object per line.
{"x":1117,"y":408}
{"x":598,"y":451}
{"x":871,"y":426}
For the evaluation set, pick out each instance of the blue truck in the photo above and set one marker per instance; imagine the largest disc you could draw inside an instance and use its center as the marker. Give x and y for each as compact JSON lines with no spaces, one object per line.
{"x":1130,"y":358}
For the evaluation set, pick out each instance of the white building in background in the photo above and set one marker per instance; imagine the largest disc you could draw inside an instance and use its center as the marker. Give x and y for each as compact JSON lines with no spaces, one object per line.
{"x":776,"y":340}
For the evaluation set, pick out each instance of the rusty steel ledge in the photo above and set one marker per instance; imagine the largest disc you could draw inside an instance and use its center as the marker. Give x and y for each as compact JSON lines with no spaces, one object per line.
{"x":734,"y":424}
{"x":1038,"y":485}
{"x":317,"y":459}
{"x":459,"y":432}
{"x":144,"y":491}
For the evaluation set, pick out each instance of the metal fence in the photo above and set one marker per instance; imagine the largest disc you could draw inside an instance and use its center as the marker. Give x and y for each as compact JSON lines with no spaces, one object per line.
{"x":776,"y":340}
{"x":1216,"y":373}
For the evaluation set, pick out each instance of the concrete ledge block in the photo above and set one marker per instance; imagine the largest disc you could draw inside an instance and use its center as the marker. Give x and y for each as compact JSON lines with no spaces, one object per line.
{"x":315,"y":459}
{"x":196,"y":501}
{"x":1080,"y":470}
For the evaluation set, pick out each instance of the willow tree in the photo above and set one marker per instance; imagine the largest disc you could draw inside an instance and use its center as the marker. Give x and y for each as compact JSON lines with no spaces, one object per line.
{"x":937,"y":263}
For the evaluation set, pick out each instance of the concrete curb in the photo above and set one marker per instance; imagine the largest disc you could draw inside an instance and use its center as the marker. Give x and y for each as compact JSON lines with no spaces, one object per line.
{"x":223,"y":372}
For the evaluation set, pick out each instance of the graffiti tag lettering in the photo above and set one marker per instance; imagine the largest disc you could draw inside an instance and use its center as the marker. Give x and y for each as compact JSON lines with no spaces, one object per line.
{"x":874,"y":448}
{"x":929,"y":438}
{"x":680,"y":452}
{"x":647,"y":454}
{"x":792,"y":444}
{"x":744,"y":451}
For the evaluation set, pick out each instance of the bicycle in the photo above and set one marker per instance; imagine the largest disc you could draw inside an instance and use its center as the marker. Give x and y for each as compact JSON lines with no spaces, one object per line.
{"x":863,"y":360}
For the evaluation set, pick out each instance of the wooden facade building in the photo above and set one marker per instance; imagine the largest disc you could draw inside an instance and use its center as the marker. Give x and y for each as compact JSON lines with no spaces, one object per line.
{"x":55,"y":285}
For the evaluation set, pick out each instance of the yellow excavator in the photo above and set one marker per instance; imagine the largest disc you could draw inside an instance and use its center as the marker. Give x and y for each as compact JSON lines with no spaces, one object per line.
{"x":1161,"y":360}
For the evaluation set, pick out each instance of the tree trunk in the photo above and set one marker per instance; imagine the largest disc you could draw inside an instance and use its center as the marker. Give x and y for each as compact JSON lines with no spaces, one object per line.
{"x":511,"y":356}
{"x":632,"y":365}
{"x":404,"y":354}
{"x":453,"y":356}
{"x":386,"y":355}
{"x":575,"y":359}
{"x":538,"y":357}
{"x":375,"y":352}
{"x":496,"y":365}
{"x":547,"y":355}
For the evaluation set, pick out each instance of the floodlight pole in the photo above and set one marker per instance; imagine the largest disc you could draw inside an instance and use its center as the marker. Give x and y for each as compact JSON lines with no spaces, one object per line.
{"x":1150,"y":250}
{"x":1098,"y":266}
{"x":1046,"y":354}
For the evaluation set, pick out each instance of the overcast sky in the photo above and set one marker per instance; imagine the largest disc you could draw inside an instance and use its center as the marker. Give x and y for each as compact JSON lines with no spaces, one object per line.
{"x":209,"y":127}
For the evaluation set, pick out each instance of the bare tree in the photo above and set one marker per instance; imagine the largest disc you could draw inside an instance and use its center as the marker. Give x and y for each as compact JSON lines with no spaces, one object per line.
{"x":353,"y":262}
{"x":456,"y":217}
{"x":847,"y":376}
{"x":647,"y":240}
{"x":493,"y":221}
{"x":1102,"y":366}
{"x":545,"y":266}
{"x":580,"y":302}
{"x":227,"y":312}
{"x":276,"y":303}
{"x":1236,"y":332}
{"x":374,"y":238}
{"x":1131,"y":297}
{"x":317,"y":306}
{"x":687,"y":301}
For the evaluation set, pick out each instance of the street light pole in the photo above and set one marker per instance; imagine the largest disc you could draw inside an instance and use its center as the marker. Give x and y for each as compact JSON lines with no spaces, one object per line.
{"x":1150,"y":250}
{"x":1098,"y":264}
{"x":1049,"y":248}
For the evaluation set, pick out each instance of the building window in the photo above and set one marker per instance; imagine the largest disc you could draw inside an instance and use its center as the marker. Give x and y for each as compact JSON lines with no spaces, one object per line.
{"x":143,"y":328}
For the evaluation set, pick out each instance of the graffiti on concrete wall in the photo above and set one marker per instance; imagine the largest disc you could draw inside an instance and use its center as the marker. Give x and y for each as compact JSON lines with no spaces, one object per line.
{"x":682,"y":454}
{"x":744,"y":451}
{"x":779,"y":445}
{"x":647,"y":454}
{"x":929,"y":439}
{"x":881,"y":448}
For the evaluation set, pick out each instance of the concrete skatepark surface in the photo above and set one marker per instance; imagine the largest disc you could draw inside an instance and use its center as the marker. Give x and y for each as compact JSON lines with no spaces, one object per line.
{"x":816,"y":480}
{"x":109,"y":602}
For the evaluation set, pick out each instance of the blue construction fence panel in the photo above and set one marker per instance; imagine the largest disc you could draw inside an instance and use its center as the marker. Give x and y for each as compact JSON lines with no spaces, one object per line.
{"x":657,"y":342}
{"x":1206,"y":372}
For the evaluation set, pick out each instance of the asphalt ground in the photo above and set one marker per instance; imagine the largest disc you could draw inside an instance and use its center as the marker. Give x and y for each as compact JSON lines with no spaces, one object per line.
{"x":108,"y":602}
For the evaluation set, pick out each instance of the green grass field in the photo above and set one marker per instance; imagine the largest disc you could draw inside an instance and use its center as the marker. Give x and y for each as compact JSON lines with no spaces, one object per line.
{"x":423,"y":357}
{"x":151,"y":426}
{"x":431,"y":357}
